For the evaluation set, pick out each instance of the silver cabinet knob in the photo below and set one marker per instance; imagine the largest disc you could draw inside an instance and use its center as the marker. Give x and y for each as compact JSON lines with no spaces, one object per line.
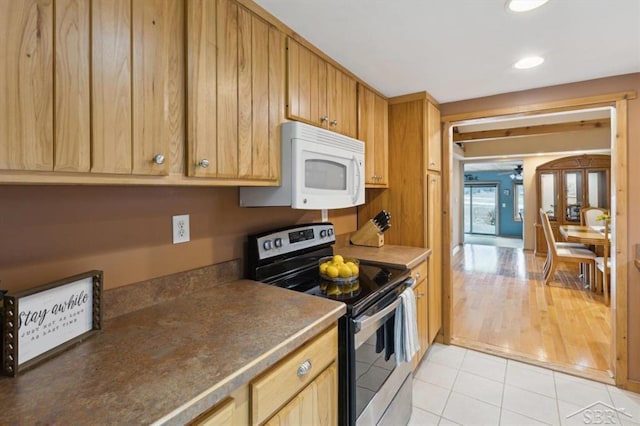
{"x":158,"y":159}
{"x":204,"y":163}
{"x":334,"y":122}
{"x":417,"y":276}
{"x":304,"y":368}
{"x":324,"y":119}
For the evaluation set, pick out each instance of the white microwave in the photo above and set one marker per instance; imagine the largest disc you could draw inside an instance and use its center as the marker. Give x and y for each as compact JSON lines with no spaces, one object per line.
{"x":320,"y":170}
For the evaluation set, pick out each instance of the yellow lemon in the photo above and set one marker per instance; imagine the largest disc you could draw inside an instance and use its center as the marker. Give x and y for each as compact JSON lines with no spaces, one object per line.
{"x":338,"y":259}
{"x":332,"y":271}
{"x":345,"y":271}
{"x":353,"y":267}
{"x":333,"y":290}
{"x":323,"y":267}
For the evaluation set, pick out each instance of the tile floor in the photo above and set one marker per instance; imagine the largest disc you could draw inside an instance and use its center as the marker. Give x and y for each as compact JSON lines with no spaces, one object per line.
{"x":457,"y":386}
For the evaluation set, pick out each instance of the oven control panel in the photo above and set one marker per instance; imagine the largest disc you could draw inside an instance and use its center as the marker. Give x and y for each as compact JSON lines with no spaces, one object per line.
{"x":291,"y":239}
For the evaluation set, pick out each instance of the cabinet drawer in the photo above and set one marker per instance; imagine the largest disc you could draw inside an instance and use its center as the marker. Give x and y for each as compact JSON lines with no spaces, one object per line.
{"x":419,"y":272}
{"x":220,"y":415}
{"x":277,"y":386}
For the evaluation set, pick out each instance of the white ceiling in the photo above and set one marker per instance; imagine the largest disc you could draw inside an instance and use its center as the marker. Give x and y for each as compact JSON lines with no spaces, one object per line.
{"x":464,"y":49}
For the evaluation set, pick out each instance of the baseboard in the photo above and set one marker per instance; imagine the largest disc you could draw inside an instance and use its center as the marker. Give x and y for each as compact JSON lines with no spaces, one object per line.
{"x":633,"y":385}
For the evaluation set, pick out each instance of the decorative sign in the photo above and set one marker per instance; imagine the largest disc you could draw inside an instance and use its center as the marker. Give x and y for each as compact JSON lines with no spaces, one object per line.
{"x":44,"y":321}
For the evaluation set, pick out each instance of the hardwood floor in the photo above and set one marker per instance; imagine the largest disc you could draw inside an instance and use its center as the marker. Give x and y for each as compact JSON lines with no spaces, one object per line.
{"x":501,"y":305}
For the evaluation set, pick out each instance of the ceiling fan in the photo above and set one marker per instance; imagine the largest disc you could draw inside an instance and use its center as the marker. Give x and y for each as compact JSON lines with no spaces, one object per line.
{"x":516,"y":174}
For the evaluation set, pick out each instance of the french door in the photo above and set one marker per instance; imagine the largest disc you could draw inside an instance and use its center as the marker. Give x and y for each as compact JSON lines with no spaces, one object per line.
{"x":480,"y":209}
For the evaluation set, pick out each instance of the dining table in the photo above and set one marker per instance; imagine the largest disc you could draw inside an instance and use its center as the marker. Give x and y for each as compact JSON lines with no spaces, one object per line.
{"x":589,"y":235}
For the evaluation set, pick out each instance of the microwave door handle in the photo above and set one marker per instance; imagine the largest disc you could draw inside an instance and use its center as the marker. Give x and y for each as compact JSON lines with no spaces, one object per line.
{"x":357,"y":181}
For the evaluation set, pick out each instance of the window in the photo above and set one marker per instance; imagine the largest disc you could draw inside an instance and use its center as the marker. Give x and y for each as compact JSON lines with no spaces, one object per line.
{"x":518,"y":201}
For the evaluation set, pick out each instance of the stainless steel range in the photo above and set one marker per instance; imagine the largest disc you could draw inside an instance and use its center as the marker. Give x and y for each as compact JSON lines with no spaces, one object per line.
{"x":373,"y":389}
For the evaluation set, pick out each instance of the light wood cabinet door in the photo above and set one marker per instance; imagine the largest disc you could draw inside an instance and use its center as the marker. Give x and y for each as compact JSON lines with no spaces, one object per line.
{"x":136,"y":75}
{"x":317,"y":404}
{"x":111,"y":87}
{"x":235,"y":92}
{"x":72,"y":126}
{"x":319,"y":93}
{"x":373,"y":130}
{"x":156,"y":78}
{"x":307,"y":85}
{"x":434,"y":232}
{"x":434,"y":138}
{"x":342,"y":102}
{"x":420,"y":290}
{"x":26,"y":92}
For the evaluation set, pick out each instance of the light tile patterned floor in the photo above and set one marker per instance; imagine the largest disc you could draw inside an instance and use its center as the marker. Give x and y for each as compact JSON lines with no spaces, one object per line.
{"x":457,"y":386}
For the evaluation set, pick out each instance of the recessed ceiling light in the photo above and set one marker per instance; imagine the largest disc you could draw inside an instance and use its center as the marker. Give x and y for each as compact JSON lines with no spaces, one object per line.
{"x":524,"y":5}
{"x":528,"y":62}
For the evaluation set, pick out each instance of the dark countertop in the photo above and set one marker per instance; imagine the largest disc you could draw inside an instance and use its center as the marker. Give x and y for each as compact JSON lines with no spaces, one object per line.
{"x":390,"y":255}
{"x":169,"y":362}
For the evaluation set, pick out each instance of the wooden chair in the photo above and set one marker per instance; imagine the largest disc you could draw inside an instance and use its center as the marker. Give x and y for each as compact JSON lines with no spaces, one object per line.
{"x":603,"y":265}
{"x":567,"y":254}
{"x":588,"y":216}
{"x":564,"y":244}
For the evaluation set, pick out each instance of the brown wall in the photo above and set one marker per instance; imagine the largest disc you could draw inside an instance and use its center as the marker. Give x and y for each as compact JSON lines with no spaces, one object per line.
{"x":50,"y":232}
{"x":577,"y":90}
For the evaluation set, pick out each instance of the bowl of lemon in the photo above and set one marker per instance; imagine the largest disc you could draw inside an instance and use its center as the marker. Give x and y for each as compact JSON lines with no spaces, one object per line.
{"x":339,"y":269}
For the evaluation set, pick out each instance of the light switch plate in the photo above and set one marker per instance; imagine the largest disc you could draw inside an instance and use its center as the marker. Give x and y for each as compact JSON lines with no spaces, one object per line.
{"x":181,"y":229}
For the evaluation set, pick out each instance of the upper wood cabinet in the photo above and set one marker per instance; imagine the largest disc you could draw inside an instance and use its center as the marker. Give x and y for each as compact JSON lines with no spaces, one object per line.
{"x":235,"y":92}
{"x":136,"y":105}
{"x":319,"y":93}
{"x":26,"y":85}
{"x":112,"y":114}
{"x":434,"y":138}
{"x":373,"y":130}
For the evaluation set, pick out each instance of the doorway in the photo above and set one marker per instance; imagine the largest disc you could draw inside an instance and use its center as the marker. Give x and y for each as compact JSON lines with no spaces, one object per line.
{"x":618,"y":323}
{"x":480,"y":209}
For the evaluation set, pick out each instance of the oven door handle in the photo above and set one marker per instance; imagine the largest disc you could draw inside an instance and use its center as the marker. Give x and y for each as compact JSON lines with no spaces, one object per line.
{"x":377,"y":319}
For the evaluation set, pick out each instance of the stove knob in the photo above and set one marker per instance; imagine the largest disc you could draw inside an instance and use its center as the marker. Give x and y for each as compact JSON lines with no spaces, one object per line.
{"x":323,"y":233}
{"x":330,"y":232}
{"x":278,"y":242}
{"x":267,"y":245}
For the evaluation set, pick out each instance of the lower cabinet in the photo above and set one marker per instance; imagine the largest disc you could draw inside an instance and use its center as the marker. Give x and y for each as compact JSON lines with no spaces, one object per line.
{"x":317,"y":404}
{"x":419,"y":273}
{"x":301,"y":389}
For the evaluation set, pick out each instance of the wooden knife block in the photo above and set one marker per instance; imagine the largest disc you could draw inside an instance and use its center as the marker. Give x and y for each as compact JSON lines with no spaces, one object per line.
{"x":368,"y":235}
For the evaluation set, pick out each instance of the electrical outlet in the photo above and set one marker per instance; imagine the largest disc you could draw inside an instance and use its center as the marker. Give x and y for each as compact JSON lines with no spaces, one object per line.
{"x":181,"y":229}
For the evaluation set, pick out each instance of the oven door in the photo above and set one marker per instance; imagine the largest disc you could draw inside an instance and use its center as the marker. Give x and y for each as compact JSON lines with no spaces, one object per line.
{"x":381,"y":386}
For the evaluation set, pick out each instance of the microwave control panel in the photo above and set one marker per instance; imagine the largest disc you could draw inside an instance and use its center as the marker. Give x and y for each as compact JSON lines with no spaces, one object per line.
{"x":289,"y":240}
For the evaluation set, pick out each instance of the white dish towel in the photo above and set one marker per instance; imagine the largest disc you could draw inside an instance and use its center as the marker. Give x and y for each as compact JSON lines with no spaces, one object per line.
{"x":406,"y":327}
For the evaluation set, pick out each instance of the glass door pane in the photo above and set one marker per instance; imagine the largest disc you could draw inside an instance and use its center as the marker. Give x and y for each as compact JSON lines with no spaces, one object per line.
{"x":480,"y":212}
{"x":597,"y":189}
{"x":467,"y":209}
{"x":548,"y":194}
{"x":572,"y":196}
